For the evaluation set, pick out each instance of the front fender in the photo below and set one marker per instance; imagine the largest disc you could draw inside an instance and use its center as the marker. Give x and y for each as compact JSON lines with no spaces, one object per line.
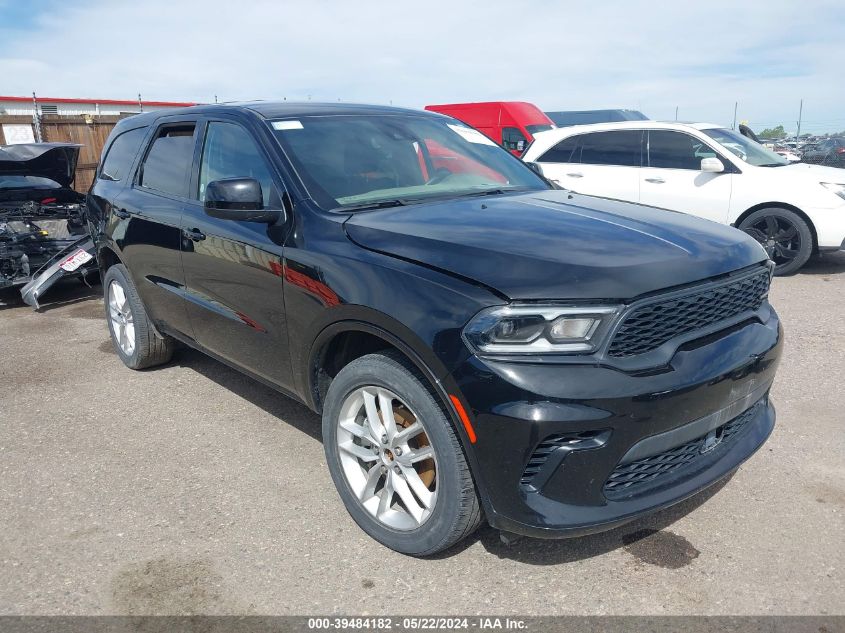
{"x":362,"y":319}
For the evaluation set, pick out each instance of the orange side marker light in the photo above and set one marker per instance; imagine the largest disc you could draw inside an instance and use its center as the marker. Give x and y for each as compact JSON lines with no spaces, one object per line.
{"x":462,"y":414}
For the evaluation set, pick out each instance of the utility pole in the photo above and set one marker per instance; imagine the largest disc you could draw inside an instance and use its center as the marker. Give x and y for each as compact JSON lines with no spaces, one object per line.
{"x":36,"y":119}
{"x":736,"y":105}
{"x":676,"y":113}
{"x":800,"y":112}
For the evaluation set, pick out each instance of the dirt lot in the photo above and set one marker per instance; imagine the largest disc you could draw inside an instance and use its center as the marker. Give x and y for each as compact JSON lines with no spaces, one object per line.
{"x":192,"y":489}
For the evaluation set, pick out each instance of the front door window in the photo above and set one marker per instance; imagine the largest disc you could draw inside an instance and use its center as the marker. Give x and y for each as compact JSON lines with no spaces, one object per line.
{"x":230,"y":152}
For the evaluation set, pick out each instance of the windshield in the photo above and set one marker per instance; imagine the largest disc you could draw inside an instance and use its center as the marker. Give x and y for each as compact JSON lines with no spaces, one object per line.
{"x":351,"y":161}
{"x":541,"y":127}
{"x":11,"y":181}
{"x":746,"y":149}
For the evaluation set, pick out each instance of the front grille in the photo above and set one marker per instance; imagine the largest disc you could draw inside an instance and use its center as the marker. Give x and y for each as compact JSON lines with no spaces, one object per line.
{"x":628,"y":479}
{"x":649,"y":326}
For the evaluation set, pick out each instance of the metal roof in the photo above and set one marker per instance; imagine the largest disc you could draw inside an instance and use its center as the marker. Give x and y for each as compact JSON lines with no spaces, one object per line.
{"x":129,"y":102}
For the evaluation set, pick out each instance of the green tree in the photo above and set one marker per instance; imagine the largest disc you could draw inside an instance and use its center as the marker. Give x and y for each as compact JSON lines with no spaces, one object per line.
{"x":776,"y":132}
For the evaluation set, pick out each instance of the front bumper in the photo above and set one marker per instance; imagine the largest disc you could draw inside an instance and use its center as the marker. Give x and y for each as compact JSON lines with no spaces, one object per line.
{"x":829,"y":249}
{"x":829,"y":224}
{"x":599,"y":433}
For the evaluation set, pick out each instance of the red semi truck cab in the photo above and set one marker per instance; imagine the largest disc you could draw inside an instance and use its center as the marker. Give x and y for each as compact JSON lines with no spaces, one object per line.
{"x":511,"y":124}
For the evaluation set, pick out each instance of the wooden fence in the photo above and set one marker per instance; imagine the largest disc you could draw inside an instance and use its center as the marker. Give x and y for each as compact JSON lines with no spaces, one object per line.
{"x":89,"y":131}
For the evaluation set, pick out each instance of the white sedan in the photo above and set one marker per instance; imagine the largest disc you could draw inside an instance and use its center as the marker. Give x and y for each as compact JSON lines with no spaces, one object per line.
{"x":794,"y":210}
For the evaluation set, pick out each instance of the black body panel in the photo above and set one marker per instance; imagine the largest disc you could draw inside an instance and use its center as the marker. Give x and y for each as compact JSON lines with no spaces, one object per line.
{"x":557,"y":245}
{"x":56,"y":161}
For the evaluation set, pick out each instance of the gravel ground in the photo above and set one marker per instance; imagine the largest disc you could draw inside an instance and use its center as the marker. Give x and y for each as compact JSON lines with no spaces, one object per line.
{"x":193,"y":489}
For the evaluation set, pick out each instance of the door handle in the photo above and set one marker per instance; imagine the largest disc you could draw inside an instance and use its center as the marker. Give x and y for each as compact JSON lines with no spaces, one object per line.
{"x":195,"y":235}
{"x":575,"y":175}
{"x":656,"y":181}
{"x":123,"y":214}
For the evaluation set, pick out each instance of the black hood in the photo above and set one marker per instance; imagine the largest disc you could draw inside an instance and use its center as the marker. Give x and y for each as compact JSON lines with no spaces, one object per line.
{"x":56,"y":161}
{"x":557,"y":245}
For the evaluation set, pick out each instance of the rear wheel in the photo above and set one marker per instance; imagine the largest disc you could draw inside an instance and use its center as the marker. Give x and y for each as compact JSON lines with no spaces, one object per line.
{"x":395,"y":458}
{"x":133,"y":337}
{"x":784,"y":234}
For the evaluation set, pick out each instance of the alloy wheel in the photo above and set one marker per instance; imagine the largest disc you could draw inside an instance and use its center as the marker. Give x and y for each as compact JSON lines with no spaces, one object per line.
{"x":121,"y":319}
{"x":778,"y":236}
{"x":386,"y":458}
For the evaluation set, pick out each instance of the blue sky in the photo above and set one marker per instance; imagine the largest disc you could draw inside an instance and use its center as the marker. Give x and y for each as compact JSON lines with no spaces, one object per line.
{"x":700,"y":57}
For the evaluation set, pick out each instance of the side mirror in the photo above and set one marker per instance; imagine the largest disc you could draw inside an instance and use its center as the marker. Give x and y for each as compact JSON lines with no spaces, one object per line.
{"x":534,"y":167}
{"x":712,"y":165}
{"x":237,"y":199}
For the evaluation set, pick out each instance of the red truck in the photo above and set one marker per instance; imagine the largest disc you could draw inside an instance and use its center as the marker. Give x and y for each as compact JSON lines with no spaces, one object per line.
{"x":511,"y":124}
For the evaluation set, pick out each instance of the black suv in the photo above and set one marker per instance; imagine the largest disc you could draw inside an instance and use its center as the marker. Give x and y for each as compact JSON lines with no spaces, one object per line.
{"x":479,"y":344}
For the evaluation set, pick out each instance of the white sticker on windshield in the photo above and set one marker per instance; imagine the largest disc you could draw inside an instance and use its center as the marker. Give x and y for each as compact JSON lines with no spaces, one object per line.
{"x":471,"y":135}
{"x":287,"y":125}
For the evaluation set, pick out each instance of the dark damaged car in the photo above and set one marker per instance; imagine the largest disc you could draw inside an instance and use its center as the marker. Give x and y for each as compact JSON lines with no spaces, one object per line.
{"x":42,"y":219}
{"x":480,"y":346}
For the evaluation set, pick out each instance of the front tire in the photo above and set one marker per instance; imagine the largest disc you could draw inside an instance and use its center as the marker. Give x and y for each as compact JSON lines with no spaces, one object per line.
{"x":132,"y":334}
{"x":403,"y":477}
{"x":784,"y":234}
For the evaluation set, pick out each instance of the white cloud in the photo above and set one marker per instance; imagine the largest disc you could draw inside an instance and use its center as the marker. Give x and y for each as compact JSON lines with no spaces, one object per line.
{"x":651,"y":56}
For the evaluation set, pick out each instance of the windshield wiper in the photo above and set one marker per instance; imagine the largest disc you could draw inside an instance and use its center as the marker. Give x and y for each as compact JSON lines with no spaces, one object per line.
{"x":381,"y":204}
{"x":404,"y":202}
{"x":773,"y":165}
{"x":490,"y":192}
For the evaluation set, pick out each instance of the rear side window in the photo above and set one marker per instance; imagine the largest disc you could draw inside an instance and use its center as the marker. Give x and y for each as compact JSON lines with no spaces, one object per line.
{"x":676,"y":150}
{"x":562,"y":152}
{"x":121,"y":154}
{"x":168,"y":161}
{"x":612,"y":148}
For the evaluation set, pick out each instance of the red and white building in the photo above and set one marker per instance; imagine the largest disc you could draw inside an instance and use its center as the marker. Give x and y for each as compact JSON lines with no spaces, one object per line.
{"x":27,"y":106}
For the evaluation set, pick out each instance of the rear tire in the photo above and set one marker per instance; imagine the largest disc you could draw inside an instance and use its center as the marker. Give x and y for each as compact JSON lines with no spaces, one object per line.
{"x":132,"y":334}
{"x":784,"y":234}
{"x":414,"y":507}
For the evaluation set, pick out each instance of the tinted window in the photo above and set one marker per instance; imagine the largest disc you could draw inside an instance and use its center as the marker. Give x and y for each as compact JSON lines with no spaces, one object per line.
{"x":169,"y":160}
{"x":353,"y":160}
{"x":676,"y":150}
{"x":121,"y":154}
{"x":445,"y":160}
{"x":611,"y":148}
{"x":560,"y":153}
{"x":513,"y":139}
{"x":231,"y":152}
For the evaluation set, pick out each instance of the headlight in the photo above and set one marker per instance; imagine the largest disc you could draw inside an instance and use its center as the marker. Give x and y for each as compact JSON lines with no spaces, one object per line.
{"x":541,"y":329}
{"x":835,"y":187}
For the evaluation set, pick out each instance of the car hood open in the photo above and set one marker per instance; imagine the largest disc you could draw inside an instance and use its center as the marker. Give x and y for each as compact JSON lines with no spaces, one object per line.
{"x":556,"y":244}
{"x":56,"y":161}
